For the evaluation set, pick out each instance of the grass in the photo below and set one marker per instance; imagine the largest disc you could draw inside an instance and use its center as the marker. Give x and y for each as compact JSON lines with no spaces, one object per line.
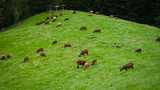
{"x":58,"y":70}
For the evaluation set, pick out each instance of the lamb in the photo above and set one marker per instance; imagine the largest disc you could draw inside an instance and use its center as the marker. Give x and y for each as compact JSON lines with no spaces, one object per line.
{"x":80,"y":62}
{"x":38,"y":23}
{"x":83,"y":27}
{"x":83,"y":52}
{"x":74,"y":11}
{"x":93,"y":61}
{"x":129,"y":65}
{"x":46,"y":23}
{"x":26,"y":58}
{"x":90,"y":15}
{"x":158,"y":39}
{"x":66,"y":19}
{"x":2,"y":57}
{"x":138,"y":50}
{"x":60,"y":14}
{"x":116,"y":18}
{"x":86,"y":65}
{"x":59,"y":24}
{"x":91,"y":11}
{"x":117,"y":46}
{"x":47,"y":17}
{"x":54,"y":18}
{"x":8,"y":56}
{"x":97,"y":30}
{"x":42,"y":54}
{"x":97,"y":13}
{"x":40,"y":49}
{"x":54,"y":42}
{"x":111,"y":16}
{"x":67,"y":45}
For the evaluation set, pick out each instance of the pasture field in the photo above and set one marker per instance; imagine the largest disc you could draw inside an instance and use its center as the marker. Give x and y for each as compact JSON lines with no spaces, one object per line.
{"x":58,"y":70}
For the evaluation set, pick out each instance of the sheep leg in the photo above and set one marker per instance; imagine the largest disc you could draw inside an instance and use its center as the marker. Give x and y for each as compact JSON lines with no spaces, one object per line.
{"x":132,"y":67}
{"x":126,"y":69}
{"x":78,"y":66}
{"x":87,"y":53}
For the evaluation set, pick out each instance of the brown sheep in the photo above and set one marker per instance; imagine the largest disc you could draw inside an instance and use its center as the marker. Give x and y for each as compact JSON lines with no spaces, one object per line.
{"x":54,"y":42}
{"x":2,"y":57}
{"x":74,"y":11}
{"x":40,"y":49}
{"x":38,"y":23}
{"x":51,"y":16}
{"x":80,"y":62}
{"x":47,"y":17}
{"x":83,"y":27}
{"x":86,"y":65}
{"x":42,"y":54}
{"x":116,"y":18}
{"x":54,"y":14}
{"x":97,"y":13}
{"x":90,"y":15}
{"x":91,"y":11}
{"x":83,"y":52}
{"x":60,"y":14}
{"x":117,"y":46}
{"x":59,"y":24}
{"x":46,"y":23}
{"x":129,"y":65}
{"x":138,"y":50}
{"x":67,"y":45}
{"x":26,"y":58}
{"x":97,"y":30}
{"x":8,"y":56}
{"x":42,"y":21}
{"x":158,"y":39}
{"x":111,"y":16}
{"x":93,"y":61}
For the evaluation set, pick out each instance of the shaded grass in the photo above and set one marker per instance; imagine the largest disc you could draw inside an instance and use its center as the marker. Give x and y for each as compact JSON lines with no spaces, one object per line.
{"x":58,"y":70}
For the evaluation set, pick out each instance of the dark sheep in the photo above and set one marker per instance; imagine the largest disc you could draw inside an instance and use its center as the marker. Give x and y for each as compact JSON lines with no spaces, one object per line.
{"x":26,"y":58}
{"x":42,"y":21}
{"x":86,"y":65}
{"x":47,"y":17}
{"x":60,"y":14}
{"x":111,"y":16}
{"x":53,"y":20}
{"x":46,"y":23}
{"x":83,"y":27}
{"x":138,"y":50}
{"x":38,"y":23}
{"x":158,"y":39}
{"x":42,"y":54}
{"x":80,"y":62}
{"x":54,"y":42}
{"x":117,"y":46}
{"x":93,"y":61}
{"x":83,"y":52}
{"x":40,"y":49}
{"x":66,"y":19}
{"x":67,"y":45}
{"x":129,"y":65}
{"x":8,"y":56}
{"x":116,"y":18}
{"x":74,"y":11}
{"x":2,"y":57}
{"x":97,"y":30}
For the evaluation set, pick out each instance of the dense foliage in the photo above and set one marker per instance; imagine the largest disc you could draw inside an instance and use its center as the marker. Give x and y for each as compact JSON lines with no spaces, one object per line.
{"x":141,"y":11}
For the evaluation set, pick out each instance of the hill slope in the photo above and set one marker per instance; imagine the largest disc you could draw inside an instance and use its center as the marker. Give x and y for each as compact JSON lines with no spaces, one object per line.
{"x":58,"y":70}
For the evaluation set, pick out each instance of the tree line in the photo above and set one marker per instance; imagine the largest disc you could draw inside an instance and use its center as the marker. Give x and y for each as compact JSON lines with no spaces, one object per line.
{"x":141,"y":11}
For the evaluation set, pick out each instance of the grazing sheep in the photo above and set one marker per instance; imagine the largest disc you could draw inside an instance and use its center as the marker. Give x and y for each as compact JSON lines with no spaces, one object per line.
{"x":53,"y":20}
{"x":59,"y":24}
{"x":42,"y":21}
{"x":86,"y":65}
{"x":117,"y":46}
{"x":54,"y":42}
{"x":38,"y":23}
{"x":40,"y":49}
{"x":158,"y":39}
{"x":129,"y":65}
{"x":83,"y":27}
{"x":97,"y":13}
{"x":97,"y":30}
{"x":8,"y":56}
{"x":2,"y":57}
{"x":91,"y":11}
{"x":116,"y":18}
{"x":26,"y":58}
{"x":138,"y":50}
{"x":83,"y":52}
{"x":66,"y":19}
{"x":67,"y":45}
{"x":111,"y":16}
{"x":90,"y":15}
{"x":80,"y":62}
{"x":54,"y":14}
{"x":74,"y":11}
{"x":46,"y":23}
{"x":47,"y":17}
{"x":42,"y":54}
{"x":93,"y":61}
{"x":60,"y":14}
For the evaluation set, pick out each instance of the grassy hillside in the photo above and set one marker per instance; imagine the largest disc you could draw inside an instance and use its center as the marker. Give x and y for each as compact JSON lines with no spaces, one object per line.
{"x":58,"y":70}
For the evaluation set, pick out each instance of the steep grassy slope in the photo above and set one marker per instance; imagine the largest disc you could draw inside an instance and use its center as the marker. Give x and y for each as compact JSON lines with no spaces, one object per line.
{"x":58,"y":70}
